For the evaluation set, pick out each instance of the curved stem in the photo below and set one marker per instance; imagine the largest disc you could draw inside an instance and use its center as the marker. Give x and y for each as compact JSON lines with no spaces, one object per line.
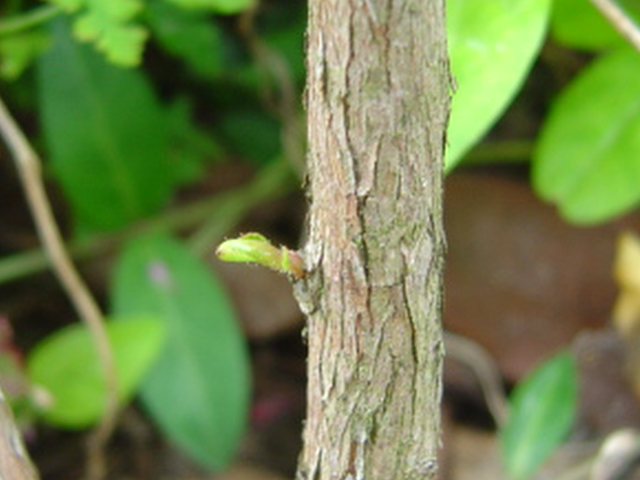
{"x":29,"y":19}
{"x":484,"y":367}
{"x":29,"y":169}
{"x":619,"y":19}
{"x":279,"y":91}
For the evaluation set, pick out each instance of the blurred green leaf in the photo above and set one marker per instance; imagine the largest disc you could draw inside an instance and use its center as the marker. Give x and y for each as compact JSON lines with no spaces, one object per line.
{"x":492,"y":45}
{"x":218,"y":6}
{"x":542,"y":411}
{"x":578,"y":24}
{"x":106,"y":135}
{"x":17,"y":51}
{"x":587,"y":159}
{"x":109,"y":25}
{"x":198,"y":391}
{"x":122,"y":44}
{"x":190,"y":35}
{"x":66,"y":364}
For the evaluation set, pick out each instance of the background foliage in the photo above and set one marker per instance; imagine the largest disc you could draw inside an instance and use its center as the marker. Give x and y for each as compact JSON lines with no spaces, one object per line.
{"x":121,"y":136}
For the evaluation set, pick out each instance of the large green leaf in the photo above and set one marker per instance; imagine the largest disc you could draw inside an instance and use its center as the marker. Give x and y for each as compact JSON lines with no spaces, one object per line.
{"x":198,"y":391}
{"x":587,"y":158}
{"x":66,"y":364}
{"x":106,"y":135}
{"x":492,"y":45}
{"x":542,"y":410}
{"x":578,"y":24}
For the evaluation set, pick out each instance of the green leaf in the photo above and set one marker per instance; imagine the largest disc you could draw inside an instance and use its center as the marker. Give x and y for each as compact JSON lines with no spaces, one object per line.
{"x":492,"y":45}
{"x":578,"y":24}
{"x":66,"y":364}
{"x":122,"y":44}
{"x":190,"y":35}
{"x":227,"y":7}
{"x":17,"y":51}
{"x":109,"y":24}
{"x":106,"y":135}
{"x":198,"y":391}
{"x":587,"y":159}
{"x":542,"y":411}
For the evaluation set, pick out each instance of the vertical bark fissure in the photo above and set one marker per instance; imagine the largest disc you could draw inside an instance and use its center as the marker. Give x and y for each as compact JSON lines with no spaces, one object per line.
{"x":377,"y":100}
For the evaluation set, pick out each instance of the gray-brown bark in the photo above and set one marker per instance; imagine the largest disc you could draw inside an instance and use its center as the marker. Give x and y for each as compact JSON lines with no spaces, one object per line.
{"x":378,"y":102}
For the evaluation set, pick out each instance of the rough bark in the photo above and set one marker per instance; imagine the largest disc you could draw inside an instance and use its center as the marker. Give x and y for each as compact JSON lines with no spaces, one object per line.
{"x":378,"y":101}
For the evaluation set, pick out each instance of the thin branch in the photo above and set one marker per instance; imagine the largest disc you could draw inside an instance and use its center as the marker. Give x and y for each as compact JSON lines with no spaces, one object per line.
{"x":620,"y":21}
{"x":29,"y":169}
{"x":29,"y":19}
{"x":225,"y":210}
{"x":280,"y":97}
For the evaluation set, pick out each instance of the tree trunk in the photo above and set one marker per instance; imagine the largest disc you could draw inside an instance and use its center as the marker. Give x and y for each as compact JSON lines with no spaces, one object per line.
{"x":378,"y":97}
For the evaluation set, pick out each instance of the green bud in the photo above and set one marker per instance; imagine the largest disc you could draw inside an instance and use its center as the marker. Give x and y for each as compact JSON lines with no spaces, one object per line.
{"x":255,"y":248}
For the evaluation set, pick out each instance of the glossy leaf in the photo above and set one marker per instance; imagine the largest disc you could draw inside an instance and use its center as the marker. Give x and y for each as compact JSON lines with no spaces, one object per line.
{"x":542,"y":411}
{"x":217,"y":6}
{"x":190,"y":35}
{"x":587,"y":160}
{"x":579,"y":24}
{"x":67,"y":366}
{"x":106,"y":135}
{"x":198,"y":391}
{"x":492,"y":46}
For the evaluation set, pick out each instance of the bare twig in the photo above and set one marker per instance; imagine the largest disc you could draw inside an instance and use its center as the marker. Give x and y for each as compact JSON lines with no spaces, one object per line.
{"x":620,"y":21}
{"x":29,"y":169}
{"x":477,"y":359}
{"x":15,"y":463}
{"x":281,"y":97}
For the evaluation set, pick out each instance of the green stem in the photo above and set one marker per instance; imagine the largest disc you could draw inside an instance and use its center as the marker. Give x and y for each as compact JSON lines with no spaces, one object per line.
{"x":506,"y":152}
{"x":27,"y":20}
{"x":225,"y":210}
